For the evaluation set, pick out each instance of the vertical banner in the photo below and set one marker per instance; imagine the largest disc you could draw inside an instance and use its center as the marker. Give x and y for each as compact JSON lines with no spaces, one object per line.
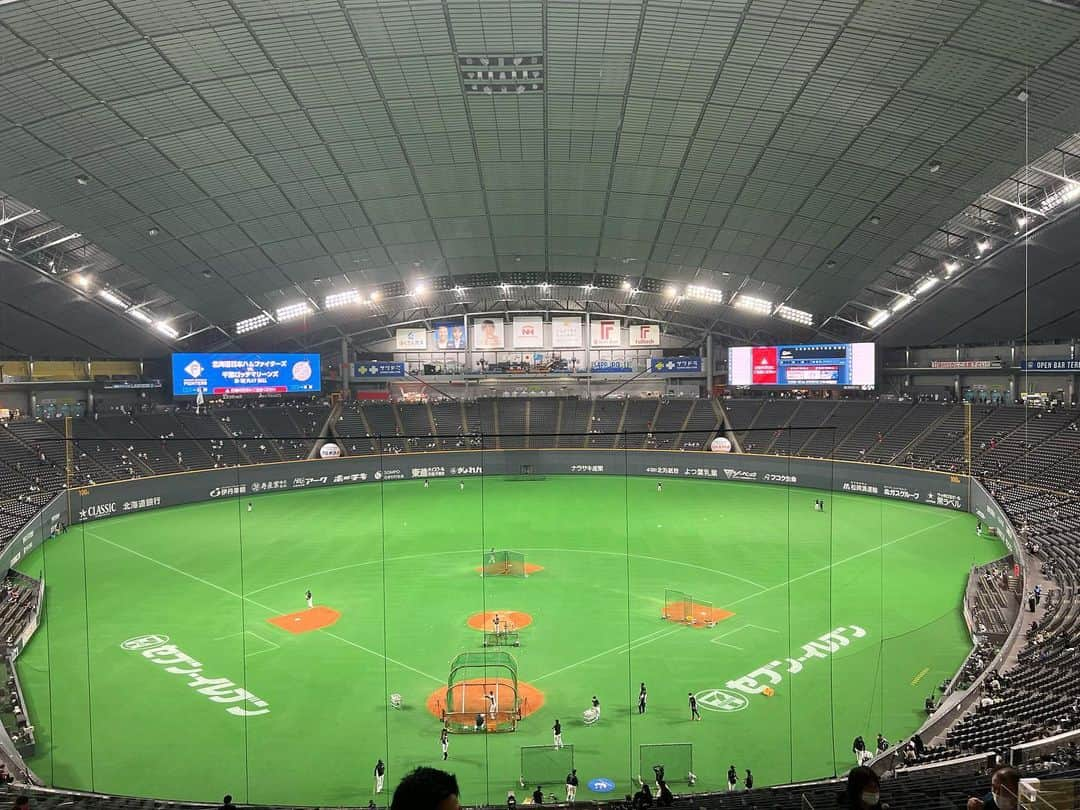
{"x":566,"y":333}
{"x":412,"y":339}
{"x":489,"y":333}
{"x":644,"y":334}
{"x":606,"y":333}
{"x":528,"y":332}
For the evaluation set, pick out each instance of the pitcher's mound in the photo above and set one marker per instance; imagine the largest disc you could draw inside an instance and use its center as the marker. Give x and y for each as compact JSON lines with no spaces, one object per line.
{"x":483,"y":621}
{"x":304,"y":621}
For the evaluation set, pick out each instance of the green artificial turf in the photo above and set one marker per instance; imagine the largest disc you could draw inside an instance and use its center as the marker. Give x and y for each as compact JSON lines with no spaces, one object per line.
{"x":399,"y":563}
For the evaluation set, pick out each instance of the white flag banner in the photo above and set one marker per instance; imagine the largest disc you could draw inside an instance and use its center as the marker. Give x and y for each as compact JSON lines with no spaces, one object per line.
{"x":644,"y":334}
{"x":528,"y":331}
{"x":606,"y":333}
{"x":489,"y":333}
{"x":412,"y":339}
{"x":566,"y":333}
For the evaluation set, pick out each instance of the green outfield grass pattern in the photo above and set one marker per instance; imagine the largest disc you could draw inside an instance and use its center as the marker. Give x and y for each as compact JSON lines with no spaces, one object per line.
{"x":399,"y":563}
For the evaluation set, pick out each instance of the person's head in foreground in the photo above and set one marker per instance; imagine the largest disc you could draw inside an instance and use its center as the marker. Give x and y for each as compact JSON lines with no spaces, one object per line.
{"x":1004,"y":785}
{"x":863,"y":788}
{"x":426,"y":789}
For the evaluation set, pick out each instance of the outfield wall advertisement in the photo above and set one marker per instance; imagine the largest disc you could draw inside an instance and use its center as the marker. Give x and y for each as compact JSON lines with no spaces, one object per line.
{"x":119,"y":498}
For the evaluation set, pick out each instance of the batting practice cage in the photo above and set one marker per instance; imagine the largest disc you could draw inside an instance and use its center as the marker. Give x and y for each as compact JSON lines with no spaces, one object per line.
{"x":545,"y":764}
{"x":799,"y":590}
{"x":505,"y":563}
{"x":482,"y":692}
{"x":676,"y":760}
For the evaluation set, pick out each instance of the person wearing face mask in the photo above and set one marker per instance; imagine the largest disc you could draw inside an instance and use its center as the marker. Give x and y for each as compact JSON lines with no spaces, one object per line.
{"x":863,"y":790}
{"x":1004,"y":785}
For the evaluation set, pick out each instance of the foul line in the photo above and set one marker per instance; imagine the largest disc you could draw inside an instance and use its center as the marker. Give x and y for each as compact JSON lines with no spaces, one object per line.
{"x":656,"y":635}
{"x":267,"y":608}
{"x":846,"y":559}
{"x":649,"y":638}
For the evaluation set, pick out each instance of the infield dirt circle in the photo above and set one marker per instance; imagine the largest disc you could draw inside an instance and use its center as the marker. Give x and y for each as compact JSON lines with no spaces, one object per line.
{"x":483,"y":621}
{"x":473,"y":696}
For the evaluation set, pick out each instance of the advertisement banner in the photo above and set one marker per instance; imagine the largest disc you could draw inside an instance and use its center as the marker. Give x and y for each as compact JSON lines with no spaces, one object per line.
{"x":895,"y":483}
{"x":675,"y":365}
{"x":1050,"y":365}
{"x":372,"y":369}
{"x":412,"y":339}
{"x":606,"y":333}
{"x":566,"y":333}
{"x":612,"y":366}
{"x":220,"y":374}
{"x":644,"y":334}
{"x":528,"y":332}
{"x":450,"y":335}
{"x":966,"y":365}
{"x":489,"y":333}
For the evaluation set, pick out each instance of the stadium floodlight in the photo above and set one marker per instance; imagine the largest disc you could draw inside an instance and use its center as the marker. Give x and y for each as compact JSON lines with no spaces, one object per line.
{"x":878,"y":318}
{"x":903,"y":302}
{"x":796,"y":315}
{"x":341,"y":299}
{"x":982,"y":245}
{"x":293,"y":311}
{"x":375,"y":295}
{"x":926,"y":285}
{"x":113,"y":298}
{"x":626,"y":285}
{"x":705,"y":294}
{"x":752,"y":304}
{"x":419,"y":289}
{"x":166,"y":330}
{"x":672,"y":291}
{"x":951,"y":267}
{"x":82,"y":281}
{"x":139,"y":315}
{"x":1061,"y":196}
{"x":251,"y":324}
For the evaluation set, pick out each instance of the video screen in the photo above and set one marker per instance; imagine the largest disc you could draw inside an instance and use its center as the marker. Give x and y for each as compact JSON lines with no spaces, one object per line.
{"x":232,"y":374}
{"x":814,"y":365}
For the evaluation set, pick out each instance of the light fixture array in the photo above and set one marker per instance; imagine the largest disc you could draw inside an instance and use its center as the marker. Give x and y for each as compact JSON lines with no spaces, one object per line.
{"x":795,"y":315}
{"x":251,"y":324}
{"x":291,"y":312}
{"x":752,"y":304}
{"x":705,"y":294}
{"x":341,"y":299}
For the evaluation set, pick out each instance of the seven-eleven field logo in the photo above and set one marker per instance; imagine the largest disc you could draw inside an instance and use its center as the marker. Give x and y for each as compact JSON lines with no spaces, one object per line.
{"x":721,"y":700}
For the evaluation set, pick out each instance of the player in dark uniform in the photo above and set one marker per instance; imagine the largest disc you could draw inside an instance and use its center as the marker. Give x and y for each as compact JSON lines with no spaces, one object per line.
{"x":694,"y":714}
{"x":732,"y":778}
{"x":307,"y":596}
{"x":642,"y":698}
{"x":380,"y":776}
{"x":596,"y":705}
{"x":571,"y":785}
{"x":444,"y":741}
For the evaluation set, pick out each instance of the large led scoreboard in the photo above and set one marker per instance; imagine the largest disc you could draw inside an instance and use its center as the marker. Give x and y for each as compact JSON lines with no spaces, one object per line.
{"x":233,"y":374}
{"x":807,"y":365}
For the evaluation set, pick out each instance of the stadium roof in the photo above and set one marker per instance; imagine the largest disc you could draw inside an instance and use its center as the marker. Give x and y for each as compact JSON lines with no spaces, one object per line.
{"x":215,"y":161}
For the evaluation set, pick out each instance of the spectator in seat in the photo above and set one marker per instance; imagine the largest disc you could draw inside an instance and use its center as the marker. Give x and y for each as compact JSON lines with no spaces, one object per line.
{"x":426,"y":789}
{"x":863,"y":790}
{"x":1004,"y":786}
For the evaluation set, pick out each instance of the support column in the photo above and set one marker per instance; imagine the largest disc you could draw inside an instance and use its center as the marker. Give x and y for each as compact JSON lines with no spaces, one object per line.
{"x":709,"y":365}
{"x":346,"y":368}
